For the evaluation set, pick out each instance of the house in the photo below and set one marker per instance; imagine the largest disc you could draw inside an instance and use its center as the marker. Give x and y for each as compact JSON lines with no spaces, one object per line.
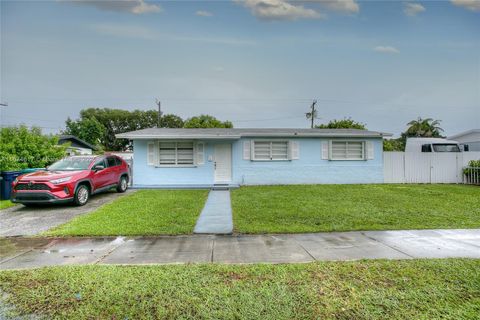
{"x":470,"y":140}
{"x":77,"y":145}
{"x":206,"y":157}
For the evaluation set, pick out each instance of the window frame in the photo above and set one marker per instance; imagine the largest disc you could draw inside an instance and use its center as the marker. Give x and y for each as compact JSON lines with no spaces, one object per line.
{"x":330,"y":151}
{"x":252,"y":151}
{"x":176,"y":165}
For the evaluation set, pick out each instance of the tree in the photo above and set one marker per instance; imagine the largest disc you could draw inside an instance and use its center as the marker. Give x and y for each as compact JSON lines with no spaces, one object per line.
{"x":171,"y":121}
{"x":424,"y":128}
{"x":21,"y":148}
{"x":346,"y":123}
{"x":393,"y":145}
{"x":88,"y":129}
{"x":206,"y":121}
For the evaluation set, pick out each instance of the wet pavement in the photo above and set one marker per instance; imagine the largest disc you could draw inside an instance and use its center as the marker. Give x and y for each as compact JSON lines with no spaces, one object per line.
{"x":216,"y":216}
{"x":18,"y":252}
{"x":26,"y":221}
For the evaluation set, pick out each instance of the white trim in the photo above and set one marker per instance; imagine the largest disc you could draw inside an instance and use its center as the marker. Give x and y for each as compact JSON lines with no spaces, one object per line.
{"x":151,"y":153}
{"x":294,"y":150}
{"x":246,"y":150}
{"x":200,"y":153}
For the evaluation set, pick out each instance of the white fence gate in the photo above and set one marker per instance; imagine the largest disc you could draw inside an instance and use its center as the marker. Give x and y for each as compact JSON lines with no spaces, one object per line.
{"x":410,"y":167}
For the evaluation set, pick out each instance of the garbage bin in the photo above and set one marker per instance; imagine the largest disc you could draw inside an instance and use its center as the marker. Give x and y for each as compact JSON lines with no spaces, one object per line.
{"x":6,"y":184}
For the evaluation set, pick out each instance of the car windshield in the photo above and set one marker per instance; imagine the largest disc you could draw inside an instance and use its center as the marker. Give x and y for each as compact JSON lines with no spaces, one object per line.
{"x":446,"y":148}
{"x":69,"y":164}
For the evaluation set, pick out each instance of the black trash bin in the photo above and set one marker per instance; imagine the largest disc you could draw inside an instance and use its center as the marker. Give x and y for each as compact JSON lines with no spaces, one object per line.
{"x":6,"y":183}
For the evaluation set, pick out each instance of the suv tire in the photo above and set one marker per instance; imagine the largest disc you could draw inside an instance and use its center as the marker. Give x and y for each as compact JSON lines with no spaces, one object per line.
{"x":123,"y":184}
{"x":82,"y":194}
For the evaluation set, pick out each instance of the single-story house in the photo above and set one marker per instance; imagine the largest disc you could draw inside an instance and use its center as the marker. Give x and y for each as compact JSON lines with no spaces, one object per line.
{"x":77,"y":145}
{"x":207,"y":157}
{"x":470,"y":140}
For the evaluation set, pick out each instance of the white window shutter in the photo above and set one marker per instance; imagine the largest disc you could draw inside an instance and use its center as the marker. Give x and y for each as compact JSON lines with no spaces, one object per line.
{"x":246,"y":150}
{"x":294,"y":150}
{"x":151,"y":153}
{"x":200,"y":153}
{"x":325,"y":147}
{"x":370,"y":150}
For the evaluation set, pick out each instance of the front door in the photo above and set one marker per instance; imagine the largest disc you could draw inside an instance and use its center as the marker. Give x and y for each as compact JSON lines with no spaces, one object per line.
{"x":223,"y":163}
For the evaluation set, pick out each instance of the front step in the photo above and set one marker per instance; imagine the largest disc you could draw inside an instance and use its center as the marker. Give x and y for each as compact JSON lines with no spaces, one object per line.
{"x":221,"y":187}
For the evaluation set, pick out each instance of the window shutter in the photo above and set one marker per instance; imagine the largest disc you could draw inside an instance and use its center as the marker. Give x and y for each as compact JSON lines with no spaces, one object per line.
{"x":294,"y":150}
{"x":200,"y":153}
{"x":370,"y":150}
{"x":325,"y":147}
{"x":246,"y":150}
{"x":151,"y":153}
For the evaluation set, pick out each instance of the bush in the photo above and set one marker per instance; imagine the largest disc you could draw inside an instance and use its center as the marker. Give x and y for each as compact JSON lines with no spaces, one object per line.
{"x":21,"y":148}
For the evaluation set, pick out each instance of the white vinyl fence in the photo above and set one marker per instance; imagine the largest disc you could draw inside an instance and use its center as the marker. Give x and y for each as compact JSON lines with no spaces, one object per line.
{"x":410,"y":167}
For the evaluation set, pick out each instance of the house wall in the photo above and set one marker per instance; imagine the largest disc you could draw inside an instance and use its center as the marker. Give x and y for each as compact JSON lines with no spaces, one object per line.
{"x":308,"y":169}
{"x":471,"y":139}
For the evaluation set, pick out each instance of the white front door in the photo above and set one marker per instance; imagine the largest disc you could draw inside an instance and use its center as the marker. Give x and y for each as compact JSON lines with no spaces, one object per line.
{"x":223,"y":163}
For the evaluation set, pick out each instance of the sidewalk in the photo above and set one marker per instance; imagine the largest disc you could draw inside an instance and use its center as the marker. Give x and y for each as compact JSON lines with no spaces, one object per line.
{"x":216,"y":216}
{"x":285,"y":248}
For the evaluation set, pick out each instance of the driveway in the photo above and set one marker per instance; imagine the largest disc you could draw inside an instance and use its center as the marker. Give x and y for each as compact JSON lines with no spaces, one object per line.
{"x":22,"y":221}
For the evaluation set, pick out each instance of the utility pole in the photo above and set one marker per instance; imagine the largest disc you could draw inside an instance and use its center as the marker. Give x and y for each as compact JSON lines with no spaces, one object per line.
{"x":312,"y":114}
{"x":159,"y":117}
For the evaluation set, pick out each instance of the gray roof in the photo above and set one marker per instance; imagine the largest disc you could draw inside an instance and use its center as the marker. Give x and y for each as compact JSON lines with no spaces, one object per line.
{"x":455,"y":136}
{"x":167,"y":133}
{"x":76,"y":142}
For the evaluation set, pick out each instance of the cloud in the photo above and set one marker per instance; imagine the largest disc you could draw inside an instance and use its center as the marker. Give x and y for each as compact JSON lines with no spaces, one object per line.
{"x":349,"y":6}
{"x":278,"y":10}
{"x":473,"y":5}
{"x":412,"y":9}
{"x":126,"y":6}
{"x":386,"y":49}
{"x":203,"y":13}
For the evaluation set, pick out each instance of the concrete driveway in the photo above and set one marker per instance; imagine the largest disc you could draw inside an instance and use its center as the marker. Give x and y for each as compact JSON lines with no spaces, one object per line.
{"x":22,"y":221}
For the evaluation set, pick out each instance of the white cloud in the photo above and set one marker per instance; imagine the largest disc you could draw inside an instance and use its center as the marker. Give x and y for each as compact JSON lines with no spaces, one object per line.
{"x":412,"y":9}
{"x":279,"y":10}
{"x":473,"y":5}
{"x":386,"y":49}
{"x":128,"y":6}
{"x":203,"y":13}
{"x":349,"y":6}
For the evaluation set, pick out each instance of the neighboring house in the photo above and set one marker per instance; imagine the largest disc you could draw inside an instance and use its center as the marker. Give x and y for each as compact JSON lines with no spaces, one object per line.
{"x":77,"y":145}
{"x":470,"y":140}
{"x":205,"y":157}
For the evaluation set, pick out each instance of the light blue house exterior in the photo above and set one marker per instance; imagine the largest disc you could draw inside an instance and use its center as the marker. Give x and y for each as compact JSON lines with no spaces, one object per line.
{"x":196,"y":158}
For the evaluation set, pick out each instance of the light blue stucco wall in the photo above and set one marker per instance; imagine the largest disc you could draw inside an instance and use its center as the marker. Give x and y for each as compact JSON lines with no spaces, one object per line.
{"x":308,"y":169}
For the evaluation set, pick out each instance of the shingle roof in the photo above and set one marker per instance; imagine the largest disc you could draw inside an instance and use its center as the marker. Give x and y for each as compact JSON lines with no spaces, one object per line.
{"x":78,"y":141}
{"x":167,"y":133}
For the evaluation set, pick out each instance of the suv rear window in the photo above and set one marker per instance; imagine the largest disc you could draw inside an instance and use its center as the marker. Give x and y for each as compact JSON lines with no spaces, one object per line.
{"x":118,"y":161}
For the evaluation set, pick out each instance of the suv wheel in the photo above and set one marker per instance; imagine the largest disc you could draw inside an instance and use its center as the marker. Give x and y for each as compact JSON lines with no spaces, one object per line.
{"x":123,"y":185}
{"x":81,"y":195}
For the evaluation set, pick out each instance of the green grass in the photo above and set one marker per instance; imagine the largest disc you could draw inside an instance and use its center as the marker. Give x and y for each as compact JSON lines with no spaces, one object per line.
{"x":314,"y":208}
{"x":4,"y":204}
{"x":145,"y":212}
{"x":409,"y":289}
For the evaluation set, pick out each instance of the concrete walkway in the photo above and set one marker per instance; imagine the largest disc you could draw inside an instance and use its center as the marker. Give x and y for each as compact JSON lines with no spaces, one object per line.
{"x":294,"y":248}
{"x":216,"y":216}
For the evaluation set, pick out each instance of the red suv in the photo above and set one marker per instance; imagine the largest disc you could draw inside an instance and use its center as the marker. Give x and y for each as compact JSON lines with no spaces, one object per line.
{"x":72,"y":179}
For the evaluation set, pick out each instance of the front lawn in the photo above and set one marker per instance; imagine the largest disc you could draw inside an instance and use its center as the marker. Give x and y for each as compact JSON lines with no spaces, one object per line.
{"x":145,"y":212}
{"x":4,"y":204}
{"x":314,"y":208}
{"x":408,"y":289}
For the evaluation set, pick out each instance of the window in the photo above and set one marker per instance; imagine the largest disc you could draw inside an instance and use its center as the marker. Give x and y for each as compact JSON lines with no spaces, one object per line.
{"x":446,"y":148}
{"x":347,"y":150}
{"x":176,"y":153}
{"x":118,"y":161}
{"x":270,"y":150}
{"x":426,"y":148}
{"x":111,"y":162}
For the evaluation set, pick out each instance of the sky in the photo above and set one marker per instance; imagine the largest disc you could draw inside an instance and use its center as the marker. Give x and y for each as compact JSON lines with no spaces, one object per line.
{"x":257,"y":63}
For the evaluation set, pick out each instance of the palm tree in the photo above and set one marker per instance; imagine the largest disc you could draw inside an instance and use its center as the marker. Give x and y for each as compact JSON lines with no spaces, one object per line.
{"x":424,"y":128}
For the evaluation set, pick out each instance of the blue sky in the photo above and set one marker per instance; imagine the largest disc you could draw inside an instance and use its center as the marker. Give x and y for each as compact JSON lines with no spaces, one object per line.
{"x":258,"y":63}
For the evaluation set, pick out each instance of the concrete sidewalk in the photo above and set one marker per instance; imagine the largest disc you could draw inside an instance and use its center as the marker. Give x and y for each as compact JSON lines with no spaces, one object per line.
{"x":216,"y":216}
{"x":290,"y":248}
